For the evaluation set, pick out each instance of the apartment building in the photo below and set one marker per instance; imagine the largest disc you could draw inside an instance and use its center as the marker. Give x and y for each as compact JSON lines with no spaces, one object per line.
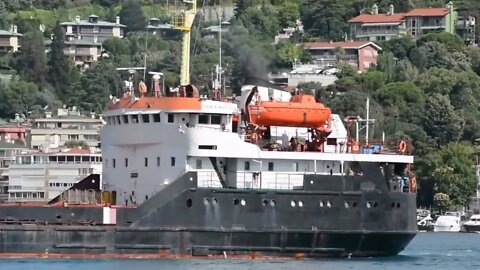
{"x":53,"y":131}
{"x":8,"y":151}
{"x":83,"y":51}
{"x":377,"y":26}
{"x":93,"y":27}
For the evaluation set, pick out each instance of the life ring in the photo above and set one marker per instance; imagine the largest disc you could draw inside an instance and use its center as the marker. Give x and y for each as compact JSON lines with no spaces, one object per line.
{"x":402,"y":146}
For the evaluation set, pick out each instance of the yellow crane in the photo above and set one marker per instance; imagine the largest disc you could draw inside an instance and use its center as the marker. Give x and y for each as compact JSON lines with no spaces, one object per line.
{"x":183,"y":22}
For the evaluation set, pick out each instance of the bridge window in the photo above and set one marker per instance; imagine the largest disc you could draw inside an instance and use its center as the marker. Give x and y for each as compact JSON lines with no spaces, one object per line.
{"x":172,"y":161}
{"x":113,"y":163}
{"x":170,"y":118}
{"x":135,"y":119}
{"x":270,"y":166}
{"x":125,"y":119}
{"x":216,"y":119}
{"x":146,"y":118}
{"x":156,"y":118}
{"x":247,"y":166}
{"x":203,"y":119}
{"x":146,"y":162}
{"x":158,"y":161}
{"x":198,"y":164}
{"x":126,"y":162}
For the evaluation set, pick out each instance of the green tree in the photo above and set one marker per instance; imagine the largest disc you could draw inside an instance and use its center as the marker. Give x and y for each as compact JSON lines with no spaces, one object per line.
{"x":241,"y":6}
{"x":77,"y":144}
{"x":326,"y":18}
{"x":60,"y":67}
{"x":289,"y":53}
{"x":442,"y":201}
{"x":453,"y":172}
{"x":3,"y":16}
{"x":386,"y":63}
{"x":132,"y":16}
{"x":441,"y":120}
{"x":32,"y":62}
{"x":288,"y":14}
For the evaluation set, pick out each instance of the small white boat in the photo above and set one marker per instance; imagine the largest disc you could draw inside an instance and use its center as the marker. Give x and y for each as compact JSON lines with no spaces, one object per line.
{"x":473,"y":224}
{"x":449,"y":222}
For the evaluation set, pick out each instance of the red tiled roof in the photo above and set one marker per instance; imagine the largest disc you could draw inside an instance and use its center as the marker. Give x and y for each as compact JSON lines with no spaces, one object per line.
{"x":341,"y":44}
{"x":76,"y":151}
{"x":379,"y":18}
{"x":427,"y":12}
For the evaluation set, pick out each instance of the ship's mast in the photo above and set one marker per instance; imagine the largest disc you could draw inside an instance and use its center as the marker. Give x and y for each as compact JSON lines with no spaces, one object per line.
{"x":184,"y":22}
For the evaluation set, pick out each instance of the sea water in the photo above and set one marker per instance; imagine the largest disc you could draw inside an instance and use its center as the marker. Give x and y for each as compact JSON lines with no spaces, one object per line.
{"x":427,"y":251}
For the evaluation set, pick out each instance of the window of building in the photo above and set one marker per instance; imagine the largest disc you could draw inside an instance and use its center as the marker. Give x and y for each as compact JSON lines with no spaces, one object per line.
{"x":73,"y":137}
{"x":247,"y":166}
{"x":170,"y":118}
{"x":203,"y":119}
{"x":135,"y":119}
{"x":198,"y":164}
{"x":172,"y":161}
{"x":270,"y":166}
{"x":156,"y":118}
{"x":158,"y":161}
{"x":126,"y":162}
{"x":216,"y":119}
{"x":59,"y":125}
{"x":146,"y":162}
{"x":146,"y":118}
{"x":118,"y":120}
{"x":295,"y":166}
{"x":125,"y":119}
{"x":114,"y":163}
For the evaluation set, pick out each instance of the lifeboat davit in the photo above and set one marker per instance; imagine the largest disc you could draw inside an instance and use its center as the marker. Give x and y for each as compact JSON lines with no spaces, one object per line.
{"x":300,"y":111}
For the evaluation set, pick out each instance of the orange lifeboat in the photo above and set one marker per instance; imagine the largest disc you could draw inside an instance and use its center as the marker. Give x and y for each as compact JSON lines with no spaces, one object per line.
{"x":300,"y":111}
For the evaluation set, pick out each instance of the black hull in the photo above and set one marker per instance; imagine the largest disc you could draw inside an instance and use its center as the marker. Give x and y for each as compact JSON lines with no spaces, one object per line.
{"x":472,"y":228}
{"x":331,"y":216}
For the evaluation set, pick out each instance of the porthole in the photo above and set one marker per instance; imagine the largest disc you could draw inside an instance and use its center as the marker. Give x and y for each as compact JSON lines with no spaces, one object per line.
{"x":214,"y":201}
{"x":206,"y":201}
{"x":322,"y":204}
{"x":347,"y":204}
{"x":375,"y":204}
{"x":243,"y":202}
{"x":393,"y":204}
{"x":398,"y":205}
{"x":354,"y":204}
{"x":236,"y":201}
{"x":329,"y":204}
{"x":264,"y":202}
{"x":273,"y":203}
{"x":369,"y":205}
{"x":189,"y":203}
{"x":292,"y":203}
{"x":300,"y":203}
{"x":59,"y":217}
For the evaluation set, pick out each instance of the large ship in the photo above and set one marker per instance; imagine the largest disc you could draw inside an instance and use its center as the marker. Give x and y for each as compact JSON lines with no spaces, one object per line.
{"x":275,"y":175}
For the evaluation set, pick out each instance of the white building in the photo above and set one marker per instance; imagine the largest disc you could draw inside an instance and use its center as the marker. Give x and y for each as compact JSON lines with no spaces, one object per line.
{"x":40,"y":177}
{"x":93,"y":27}
{"x":53,"y":132}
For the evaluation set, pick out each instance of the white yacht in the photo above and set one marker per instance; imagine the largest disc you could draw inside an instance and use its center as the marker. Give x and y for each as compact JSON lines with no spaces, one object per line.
{"x":449,"y":222}
{"x":473,"y":224}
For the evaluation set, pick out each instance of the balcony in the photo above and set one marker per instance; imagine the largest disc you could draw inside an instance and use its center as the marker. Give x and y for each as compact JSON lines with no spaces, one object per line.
{"x":379,"y":32}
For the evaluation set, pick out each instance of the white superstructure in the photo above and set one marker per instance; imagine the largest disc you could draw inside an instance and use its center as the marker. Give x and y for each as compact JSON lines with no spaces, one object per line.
{"x":149,"y":142}
{"x":40,"y":176}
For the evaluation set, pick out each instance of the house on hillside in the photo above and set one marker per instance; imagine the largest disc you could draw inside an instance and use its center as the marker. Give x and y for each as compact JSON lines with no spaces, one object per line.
{"x":93,"y":27}
{"x":9,"y":40}
{"x":377,"y":26}
{"x":359,"y":54}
